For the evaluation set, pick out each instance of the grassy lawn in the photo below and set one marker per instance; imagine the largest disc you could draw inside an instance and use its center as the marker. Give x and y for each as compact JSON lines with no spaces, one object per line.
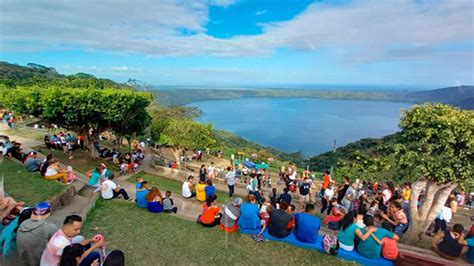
{"x":26,"y":186}
{"x":164,"y":184}
{"x":151,"y":239}
{"x":81,"y":162}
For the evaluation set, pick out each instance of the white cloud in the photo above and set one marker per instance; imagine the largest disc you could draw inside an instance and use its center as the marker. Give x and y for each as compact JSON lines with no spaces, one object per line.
{"x":261,"y":12}
{"x":358,"y":32}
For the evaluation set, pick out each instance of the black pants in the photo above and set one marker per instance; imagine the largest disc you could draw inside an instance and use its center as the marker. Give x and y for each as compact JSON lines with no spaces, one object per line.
{"x":231,"y":190}
{"x":325,"y":206}
{"x":173,"y":210}
{"x":120,"y":192}
{"x":217,"y":221}
{"x":439,"y":224}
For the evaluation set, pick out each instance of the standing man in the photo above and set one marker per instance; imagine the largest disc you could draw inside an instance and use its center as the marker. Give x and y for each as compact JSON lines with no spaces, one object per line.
{"x":230,"y":179}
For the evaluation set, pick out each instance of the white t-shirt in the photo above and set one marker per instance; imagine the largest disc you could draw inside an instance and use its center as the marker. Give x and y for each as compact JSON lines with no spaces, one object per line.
{"x":211,"y":169}
{"x":186,"y":192}
{"x":51,"y":171}
{"x":54,"y":249}
{"x":386,"y":195}
{"x":107,"y":189}
{"x":329,"y":192}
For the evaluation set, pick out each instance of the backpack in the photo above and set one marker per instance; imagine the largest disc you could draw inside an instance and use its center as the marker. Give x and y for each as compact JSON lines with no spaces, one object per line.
{"x":330,"y":244}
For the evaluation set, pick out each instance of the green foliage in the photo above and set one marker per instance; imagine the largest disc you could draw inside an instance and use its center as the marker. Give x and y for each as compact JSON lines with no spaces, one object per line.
{"x":162,"y":116}
{"x":439,"y":143}
{"x":187,"y":134}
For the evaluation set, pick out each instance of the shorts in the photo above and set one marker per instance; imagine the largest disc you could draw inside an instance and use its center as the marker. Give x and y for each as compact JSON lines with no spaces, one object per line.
{"x":304,"y":198}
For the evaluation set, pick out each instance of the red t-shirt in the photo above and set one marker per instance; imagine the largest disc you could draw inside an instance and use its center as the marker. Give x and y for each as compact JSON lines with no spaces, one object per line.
{"x":208,"y":214}
{"x":326,"y":181}
{"x":389,"y":248}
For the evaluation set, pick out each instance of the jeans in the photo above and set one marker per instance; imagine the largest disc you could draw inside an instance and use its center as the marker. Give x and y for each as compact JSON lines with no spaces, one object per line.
{"x":439,"y":224}
{"x":347,"y":205}
{"x":94,"y":255}
{"x":324,"y":204}
{"x":120,"y":192}
{"x":231,"y":190}
{"x":400,"y":229}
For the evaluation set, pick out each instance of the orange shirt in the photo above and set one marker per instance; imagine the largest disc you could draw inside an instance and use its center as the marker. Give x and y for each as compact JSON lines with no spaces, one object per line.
{"x":208,"y":214}
{"x":389,"y":248}
{"x":326,"y":181}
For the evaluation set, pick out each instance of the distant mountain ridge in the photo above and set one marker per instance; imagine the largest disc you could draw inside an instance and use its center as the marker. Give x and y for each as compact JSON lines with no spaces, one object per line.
{"x":12,"y":75}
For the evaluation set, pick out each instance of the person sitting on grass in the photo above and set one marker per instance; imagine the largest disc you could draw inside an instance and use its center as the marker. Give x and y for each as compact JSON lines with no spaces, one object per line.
{"x":72,"y":255}
{"x":469,"y":243}
{"x":32,"y":163}
{"x":265,"y":217}
{"x":66,"y":236}
{"x":446,"y":243}
{"x":307,"y":225}
{"x":249,"y":214}
{"x":155,"y":200}
{"x":347,"y":232}
{"x":55,"y":172}
{"x":168,"y":204}
{"x":110,"y":190}
{"x":209,"y":189}
{"x":210,"y":215}
{"x":281,"y":221}
{"x":389,"y":245}
{"x":140,"y":195}
{"x":187,"y":190}
{"x":201,"y":191}
{"x":399,"y":219}
{"x":370,"y":238}
{"x":230,"y":215}
{"x":94,"y":179}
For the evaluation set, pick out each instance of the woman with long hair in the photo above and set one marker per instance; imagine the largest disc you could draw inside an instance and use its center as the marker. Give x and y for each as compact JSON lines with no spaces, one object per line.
{"x":347,"y":234}
{"x":155,"y":200}
{"x":210,"y":216}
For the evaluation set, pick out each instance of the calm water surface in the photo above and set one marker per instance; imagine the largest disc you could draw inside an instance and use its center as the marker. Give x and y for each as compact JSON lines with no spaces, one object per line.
{"x":299,"y":124}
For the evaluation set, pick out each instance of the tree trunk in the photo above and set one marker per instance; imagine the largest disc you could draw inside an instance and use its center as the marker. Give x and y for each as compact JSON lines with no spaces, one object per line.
{"x":421,"y":218}
{"x":176,"y":152}
{"x":118,"y":145}
{"x":129,"y":141}
{"x":89,"y":143}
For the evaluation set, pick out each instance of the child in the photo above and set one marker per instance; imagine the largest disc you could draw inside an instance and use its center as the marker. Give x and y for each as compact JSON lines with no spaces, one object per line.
{"x":292,"y":209}
{"x":273,"y":197}
{"x":265,"y":217}
{"x":374,"y":208}
{"x":123,"y":167}
{"x":168,"y":204}
{"x":210,"y":189}
{"x":389,"y":245}
{"x":71,"y":177}
{"x":337,"y":213}
{"x":399,"y":219}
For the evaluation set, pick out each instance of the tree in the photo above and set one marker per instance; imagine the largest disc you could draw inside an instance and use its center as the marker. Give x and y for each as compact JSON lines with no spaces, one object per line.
{"x":133,"y":123}
{"x":186,"y":134}
{"x":88,"y":112}
{"x":438,"y":148}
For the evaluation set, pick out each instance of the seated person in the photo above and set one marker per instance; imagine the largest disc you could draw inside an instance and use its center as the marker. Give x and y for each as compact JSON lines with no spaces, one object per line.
{"x":155,"y":200}
{"x":168,"y":204}
{"x":230,"y":215}
{"x":54,"y":172}
{"x":209,"y":189}
{"x":65,"y":237}
{"x":370,"y":238}
{"x":446,"y":243}
{"x":307,"y":225}
{"x":210,"y":215}
{"x":95,"y":176}
{"x":347,"y":229}
{"x":201,"y":191}
{"x":389,"y":245}
{"x":141,"y":194}
{"x":32,"y":163}
{"x":469,"y":242}
{"x":249,"y":214}
{"x":110,"y":190}
{"x":399,"y":219}
{"x":187,"y":190}
{"x":281,"y":221}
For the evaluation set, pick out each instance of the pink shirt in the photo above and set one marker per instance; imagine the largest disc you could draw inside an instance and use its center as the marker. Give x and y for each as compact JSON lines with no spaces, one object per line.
{"x":389,"y":248}
{"x":54,"y":249}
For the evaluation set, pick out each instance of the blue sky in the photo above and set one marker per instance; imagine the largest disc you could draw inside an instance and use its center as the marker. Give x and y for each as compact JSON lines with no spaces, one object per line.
{"x":398,"y":43}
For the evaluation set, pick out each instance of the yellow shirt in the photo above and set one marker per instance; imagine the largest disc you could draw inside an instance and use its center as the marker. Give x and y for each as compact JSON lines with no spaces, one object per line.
{"x":406,"y":194}
{"x":201,"y":192}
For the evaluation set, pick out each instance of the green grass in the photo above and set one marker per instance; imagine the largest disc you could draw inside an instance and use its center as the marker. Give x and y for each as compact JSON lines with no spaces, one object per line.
{"x":81,"y":162}
{"x":164,"y":184}
{"x":26,"y":186}
{"x":151,"y":239}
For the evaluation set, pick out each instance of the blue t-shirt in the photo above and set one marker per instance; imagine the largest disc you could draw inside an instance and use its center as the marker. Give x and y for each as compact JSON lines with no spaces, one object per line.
{"x":307,"y":227}
{"x":141,"y":201}
{"x":249,"y":218}
{"x":369,"y":248}
{"x":210,"y":190}
{"x":347,"y":236}
{"x":95,"y":177}
{"x":470,"y":251}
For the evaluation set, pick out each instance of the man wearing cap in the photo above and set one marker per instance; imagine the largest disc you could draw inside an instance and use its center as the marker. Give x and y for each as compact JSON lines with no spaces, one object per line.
{"x":34,"y":233}
{"x":231,"y":215}
{"x":32,"y":163}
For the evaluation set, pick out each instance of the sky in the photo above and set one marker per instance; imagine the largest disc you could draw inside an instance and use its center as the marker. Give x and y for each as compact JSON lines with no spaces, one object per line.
{"x":396,"y":43}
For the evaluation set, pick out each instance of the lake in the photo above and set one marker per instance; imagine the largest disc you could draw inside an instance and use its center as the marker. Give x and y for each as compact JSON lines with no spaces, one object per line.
{"x":303,"y":124}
